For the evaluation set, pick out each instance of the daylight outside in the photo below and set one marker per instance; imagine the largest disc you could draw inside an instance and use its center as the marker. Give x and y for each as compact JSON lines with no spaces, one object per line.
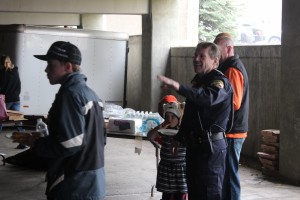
{"x":251,"y":22}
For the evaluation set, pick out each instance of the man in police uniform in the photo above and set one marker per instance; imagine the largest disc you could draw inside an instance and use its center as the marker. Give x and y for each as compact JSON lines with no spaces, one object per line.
{"x":207,"y":112}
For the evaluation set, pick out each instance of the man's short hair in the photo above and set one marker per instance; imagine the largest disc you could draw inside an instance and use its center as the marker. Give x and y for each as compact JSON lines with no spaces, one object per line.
{"x":224,"y":34}
{"x":213,"y":52}
{"x":228,"y":40}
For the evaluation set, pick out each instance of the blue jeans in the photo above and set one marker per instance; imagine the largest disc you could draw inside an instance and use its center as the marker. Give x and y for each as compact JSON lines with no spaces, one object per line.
{"x":16,"y":107}
{"x":231,"y":185}
{"x":13,"y":106}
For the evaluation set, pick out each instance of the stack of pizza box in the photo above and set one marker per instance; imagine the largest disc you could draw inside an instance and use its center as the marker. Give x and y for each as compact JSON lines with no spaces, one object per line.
{"x":269,"y":154}
{"x":15,"y":115}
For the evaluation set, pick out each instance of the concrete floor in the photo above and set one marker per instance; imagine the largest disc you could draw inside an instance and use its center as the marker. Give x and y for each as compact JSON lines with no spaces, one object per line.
{"x":130,"y":176}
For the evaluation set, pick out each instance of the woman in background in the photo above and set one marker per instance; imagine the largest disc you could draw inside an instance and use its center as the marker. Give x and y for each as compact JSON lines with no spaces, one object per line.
{"x":10,"y":86}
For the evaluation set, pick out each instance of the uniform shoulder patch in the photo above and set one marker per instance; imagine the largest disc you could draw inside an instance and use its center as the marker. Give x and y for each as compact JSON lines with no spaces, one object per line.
{"x":217,"y":83}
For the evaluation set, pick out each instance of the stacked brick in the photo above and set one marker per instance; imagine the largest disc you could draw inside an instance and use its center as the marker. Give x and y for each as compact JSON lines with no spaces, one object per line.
{"x":269,"y":155}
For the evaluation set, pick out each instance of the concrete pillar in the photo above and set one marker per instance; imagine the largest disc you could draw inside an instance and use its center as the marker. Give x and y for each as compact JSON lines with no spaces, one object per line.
{"x":170,"y":23}
{"x":289,"y":160}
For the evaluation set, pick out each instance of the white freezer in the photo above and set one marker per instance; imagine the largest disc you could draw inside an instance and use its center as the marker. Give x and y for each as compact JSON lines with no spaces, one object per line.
{"x":104,"y":57}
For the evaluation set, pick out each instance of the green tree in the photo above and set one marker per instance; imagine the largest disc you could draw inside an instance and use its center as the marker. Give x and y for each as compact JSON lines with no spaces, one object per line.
{"x":217,"y":16}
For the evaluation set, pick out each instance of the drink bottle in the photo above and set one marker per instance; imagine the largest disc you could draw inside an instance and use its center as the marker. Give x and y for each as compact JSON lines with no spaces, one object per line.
{"x":42,"y":127}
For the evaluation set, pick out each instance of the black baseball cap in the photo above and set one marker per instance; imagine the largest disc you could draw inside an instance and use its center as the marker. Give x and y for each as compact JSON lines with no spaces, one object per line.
{"x":63,"y":51}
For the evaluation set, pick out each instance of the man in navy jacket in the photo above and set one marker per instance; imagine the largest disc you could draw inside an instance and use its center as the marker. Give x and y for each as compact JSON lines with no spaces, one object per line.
{"x":75,"y":145}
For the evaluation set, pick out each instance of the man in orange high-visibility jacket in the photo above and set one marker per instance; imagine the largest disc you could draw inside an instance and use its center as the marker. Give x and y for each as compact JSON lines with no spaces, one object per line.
{"x":234,"y":69}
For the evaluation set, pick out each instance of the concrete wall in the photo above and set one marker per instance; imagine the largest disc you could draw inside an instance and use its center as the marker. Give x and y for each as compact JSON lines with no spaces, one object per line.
{"x":263,"y":64}
{"x":263,"y":67}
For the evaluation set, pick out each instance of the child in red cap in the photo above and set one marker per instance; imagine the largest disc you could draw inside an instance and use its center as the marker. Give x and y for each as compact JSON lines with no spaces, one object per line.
{"x":171,"y":172}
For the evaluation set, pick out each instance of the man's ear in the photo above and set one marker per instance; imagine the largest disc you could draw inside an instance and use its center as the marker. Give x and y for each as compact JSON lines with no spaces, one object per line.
{"x":216,"y":62}
{"x":69,"y":67}
{"x":229,"y":49}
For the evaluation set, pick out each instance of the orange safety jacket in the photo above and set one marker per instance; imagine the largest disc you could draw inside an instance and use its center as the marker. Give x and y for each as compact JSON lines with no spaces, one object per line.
{"x":234,"y":69}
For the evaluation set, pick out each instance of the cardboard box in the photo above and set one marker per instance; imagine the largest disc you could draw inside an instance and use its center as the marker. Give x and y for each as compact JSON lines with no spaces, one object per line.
{"x":270,"y":132}
{"x":124,"y":125}
{"x":269,"y":149}
{"x":15,"y":115}
{"x":270,"y":136}
{"x":268,"y":156}
{"x":264,"y":162}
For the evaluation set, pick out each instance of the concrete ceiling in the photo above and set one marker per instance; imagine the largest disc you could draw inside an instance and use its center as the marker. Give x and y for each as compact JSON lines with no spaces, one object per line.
{"x":65,"y":12}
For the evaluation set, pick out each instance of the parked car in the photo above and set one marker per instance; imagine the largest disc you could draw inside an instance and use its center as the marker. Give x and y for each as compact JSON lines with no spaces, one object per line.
{"x":272,"y":35}
{"x":250,"y":34}
{"x":274,"y":39}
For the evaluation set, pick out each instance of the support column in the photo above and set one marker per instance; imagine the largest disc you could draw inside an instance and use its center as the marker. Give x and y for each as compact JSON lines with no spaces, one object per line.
{"x":170,"y":23}
{"x":289,"y":160}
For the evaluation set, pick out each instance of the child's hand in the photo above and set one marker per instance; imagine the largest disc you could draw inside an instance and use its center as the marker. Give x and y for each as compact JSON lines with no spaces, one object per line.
{"x":165,"y":125}
{"x":156,"y":144}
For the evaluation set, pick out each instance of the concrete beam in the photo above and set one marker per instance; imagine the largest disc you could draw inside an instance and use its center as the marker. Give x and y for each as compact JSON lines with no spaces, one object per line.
{"x":78,"y":6}
{"x":50,"y":19}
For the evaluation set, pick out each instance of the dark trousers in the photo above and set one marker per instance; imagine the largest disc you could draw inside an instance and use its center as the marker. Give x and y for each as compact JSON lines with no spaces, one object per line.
{"x":205,"y":171}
